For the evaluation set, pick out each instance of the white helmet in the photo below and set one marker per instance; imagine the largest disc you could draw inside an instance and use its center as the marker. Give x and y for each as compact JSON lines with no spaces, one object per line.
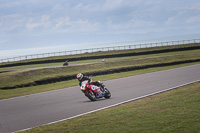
{"x":79,"y":76}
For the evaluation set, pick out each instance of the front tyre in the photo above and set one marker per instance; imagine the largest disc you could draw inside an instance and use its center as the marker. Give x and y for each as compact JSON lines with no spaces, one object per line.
{"x":91,"y":96}
{"x":108,"y":94}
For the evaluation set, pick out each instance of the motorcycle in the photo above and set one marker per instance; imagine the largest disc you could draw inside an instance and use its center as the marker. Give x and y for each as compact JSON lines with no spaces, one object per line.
{"x":94,"y":92}
{"x":66,"y":63}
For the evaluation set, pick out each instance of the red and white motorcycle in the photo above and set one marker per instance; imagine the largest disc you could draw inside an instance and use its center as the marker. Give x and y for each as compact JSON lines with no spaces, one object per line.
{"x":94,"y":92}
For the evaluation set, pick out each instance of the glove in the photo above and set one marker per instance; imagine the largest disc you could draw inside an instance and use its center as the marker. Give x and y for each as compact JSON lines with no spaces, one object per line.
{"x":90,"y":82}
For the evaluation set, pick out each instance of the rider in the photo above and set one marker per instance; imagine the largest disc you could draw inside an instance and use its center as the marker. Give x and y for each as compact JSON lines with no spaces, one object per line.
{"x":82,"y":78}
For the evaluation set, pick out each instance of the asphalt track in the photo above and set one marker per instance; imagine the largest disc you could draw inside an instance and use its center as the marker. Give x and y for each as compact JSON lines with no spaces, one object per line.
{"x":33,"y":110}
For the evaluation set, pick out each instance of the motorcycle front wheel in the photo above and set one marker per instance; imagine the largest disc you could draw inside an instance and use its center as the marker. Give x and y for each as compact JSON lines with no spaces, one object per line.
{"x":91,"y":96}
{"x":108,"y":94}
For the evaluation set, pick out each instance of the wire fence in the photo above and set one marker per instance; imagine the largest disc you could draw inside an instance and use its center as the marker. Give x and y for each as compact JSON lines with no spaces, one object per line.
{"x":73,"y":52}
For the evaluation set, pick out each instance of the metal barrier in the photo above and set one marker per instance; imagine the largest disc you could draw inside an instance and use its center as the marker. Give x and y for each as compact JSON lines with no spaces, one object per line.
{"x":73,"y":52}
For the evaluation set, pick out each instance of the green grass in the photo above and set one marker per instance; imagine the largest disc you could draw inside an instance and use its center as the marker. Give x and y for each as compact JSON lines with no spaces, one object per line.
{"x":30,"y":76}
{"x":4,"y":94}
{"x":113,"y":52}
{"x":173,"y":111}
{"x":10,"y":79}
{"x":98,"y":60}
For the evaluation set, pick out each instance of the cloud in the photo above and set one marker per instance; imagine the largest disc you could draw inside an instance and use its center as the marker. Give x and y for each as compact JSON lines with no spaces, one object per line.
{"x":193,"y":19}
{"x":43,"y":22}
{"x":86,"y":25}
{"x":80,"y":6}
{"x":57,"y":7}
{"x":110,"y":4}
{"x":172,"y":20}
{"x":193,"y":6}
{"x":11,"y":22}
{"x":63,"y":21}
{"x":9,"y":4}
{"x":135,"y":25}
{"x":77,"y":17}
{"x":3,"y":41}
{"x":65,"y":24}
{"x":61,"y":24}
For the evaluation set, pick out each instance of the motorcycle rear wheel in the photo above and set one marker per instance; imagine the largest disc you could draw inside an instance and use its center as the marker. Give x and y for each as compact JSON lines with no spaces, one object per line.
{"x":91,"y":96}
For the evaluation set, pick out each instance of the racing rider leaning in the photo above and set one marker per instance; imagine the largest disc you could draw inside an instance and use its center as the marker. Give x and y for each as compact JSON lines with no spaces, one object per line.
{"x":82,"y":78}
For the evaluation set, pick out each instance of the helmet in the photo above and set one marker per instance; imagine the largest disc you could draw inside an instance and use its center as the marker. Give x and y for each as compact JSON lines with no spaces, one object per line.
{"x":79,"y":76}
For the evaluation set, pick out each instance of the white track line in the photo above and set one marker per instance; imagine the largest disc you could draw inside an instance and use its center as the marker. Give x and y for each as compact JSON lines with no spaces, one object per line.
{"x":116,"y":104}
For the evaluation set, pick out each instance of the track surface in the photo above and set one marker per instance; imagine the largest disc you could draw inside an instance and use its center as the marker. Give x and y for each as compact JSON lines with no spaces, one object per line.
{"x":42,"y":108}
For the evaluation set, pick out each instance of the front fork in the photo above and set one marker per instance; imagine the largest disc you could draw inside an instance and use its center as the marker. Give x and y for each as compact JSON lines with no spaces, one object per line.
{"x":101,"y":86}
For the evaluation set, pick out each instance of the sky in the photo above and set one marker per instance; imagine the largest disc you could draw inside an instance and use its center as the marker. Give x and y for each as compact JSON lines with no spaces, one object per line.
{"x":43,"y":23}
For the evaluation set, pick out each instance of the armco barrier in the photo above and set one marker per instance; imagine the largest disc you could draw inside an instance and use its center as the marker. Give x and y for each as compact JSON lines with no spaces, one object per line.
{"x":136,"y":46}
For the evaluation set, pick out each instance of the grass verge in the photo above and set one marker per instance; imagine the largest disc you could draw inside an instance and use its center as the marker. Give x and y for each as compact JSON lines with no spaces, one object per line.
{"x":33,"y":77}
{"x":100,"y":55}
{"x":17,"y":78}
{"x":64,"y":84}
{"x":172,"y":111}
{"x":188,"y":52}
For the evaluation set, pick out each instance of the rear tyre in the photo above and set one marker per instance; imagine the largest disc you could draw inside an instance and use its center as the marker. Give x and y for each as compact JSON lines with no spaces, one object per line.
{"x":108,"y":94}
{"x":65,"y":64}
{"x":91,"y":96}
